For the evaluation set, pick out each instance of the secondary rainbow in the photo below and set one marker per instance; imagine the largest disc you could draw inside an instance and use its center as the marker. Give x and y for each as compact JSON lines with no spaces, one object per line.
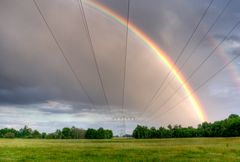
{"x":159,"y":52}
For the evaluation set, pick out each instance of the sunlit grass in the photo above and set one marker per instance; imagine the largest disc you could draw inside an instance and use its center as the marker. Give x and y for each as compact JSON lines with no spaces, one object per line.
{"x":186,"y":149}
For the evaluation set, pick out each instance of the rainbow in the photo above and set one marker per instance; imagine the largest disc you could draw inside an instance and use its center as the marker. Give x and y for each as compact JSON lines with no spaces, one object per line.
{"x":158,"y":51}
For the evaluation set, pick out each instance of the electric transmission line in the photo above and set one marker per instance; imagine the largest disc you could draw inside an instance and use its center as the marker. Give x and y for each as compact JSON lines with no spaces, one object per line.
{"x":205,"y":35}
{"x":203,"y":62}
{"x":85,"y":23}
{"x":125,"y":68}
{"x":204,"y":83}
{"x":68,"y":62}
{"x":126,"y":53}
{"x":63,"y":53}
{"x":199,"y":43}
{"x":175,"y":62}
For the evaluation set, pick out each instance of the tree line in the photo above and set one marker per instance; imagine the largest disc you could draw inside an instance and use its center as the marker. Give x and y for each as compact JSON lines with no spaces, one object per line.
{"x":65,"y":133}
{"x":229,"y":127}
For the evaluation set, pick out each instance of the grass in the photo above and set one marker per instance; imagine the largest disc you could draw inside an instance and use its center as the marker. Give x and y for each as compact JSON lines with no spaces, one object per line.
{"x":185,"y":150}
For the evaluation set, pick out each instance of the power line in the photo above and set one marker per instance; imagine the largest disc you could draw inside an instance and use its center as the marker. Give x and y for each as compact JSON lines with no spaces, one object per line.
{"x":202,"y":63}
{"x":199,"y":43}
{"x":203,"y":38}
{"x":123,"y":118}
{"x":63,"y":54}
{"x":85,"y":23}
{"x":126,"y":53}
{"x":205,"y":35}
{"x":204,"y":83}
{"x":175,"y":62}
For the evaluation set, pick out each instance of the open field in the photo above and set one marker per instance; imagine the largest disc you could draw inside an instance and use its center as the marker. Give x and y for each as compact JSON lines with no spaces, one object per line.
{"x":186,"y":149}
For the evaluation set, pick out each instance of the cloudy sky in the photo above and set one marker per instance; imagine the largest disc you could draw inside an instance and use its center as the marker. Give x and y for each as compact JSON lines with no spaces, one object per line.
{"x":39,"y":89}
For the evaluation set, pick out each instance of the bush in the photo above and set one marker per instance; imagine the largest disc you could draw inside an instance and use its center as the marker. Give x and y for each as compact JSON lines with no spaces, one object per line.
{"x":9,"y":135}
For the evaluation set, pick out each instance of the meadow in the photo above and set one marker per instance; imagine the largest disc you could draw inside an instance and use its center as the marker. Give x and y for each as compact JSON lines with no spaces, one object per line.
{"x":181,"y":149}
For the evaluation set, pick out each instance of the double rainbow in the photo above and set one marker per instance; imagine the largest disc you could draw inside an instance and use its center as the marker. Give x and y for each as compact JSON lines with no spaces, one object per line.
{"x":158,"y":51}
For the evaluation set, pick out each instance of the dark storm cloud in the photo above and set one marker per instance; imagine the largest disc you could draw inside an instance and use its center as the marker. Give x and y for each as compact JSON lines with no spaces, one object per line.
{"x":32,"y":68}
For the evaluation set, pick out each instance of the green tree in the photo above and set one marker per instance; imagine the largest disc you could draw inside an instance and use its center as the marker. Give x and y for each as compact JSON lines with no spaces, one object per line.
{"x":43,"y":135}
{"x":77,"y":133}
{"x":36,"y":134}
{"x":100,"y":133}
{"x":58,"y":134}
{"x":91,"y":133}
{"x":9,"y":135}
{"x":66,"y":133}
{"x":108,"y":134}
{"x":25,"y":132}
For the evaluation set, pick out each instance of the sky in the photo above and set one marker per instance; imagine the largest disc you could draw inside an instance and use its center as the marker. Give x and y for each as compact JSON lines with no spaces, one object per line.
{"x":38,"y":88}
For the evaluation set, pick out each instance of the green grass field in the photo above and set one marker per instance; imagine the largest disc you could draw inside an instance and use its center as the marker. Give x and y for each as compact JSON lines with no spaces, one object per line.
{"x":186,"y":149}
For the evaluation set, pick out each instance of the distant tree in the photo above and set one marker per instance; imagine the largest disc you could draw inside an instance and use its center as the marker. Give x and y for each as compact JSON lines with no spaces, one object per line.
{"x":100,"y":133}
{"x":43,"y":135}
{"x":153,"y":132}
{"x":91,"y":133}
{"x":25,"y":132}
{"x":233,"y":116}
{"x":81,"y":133}
{"x":108,"y":134}
{"x":51,"y":136}
{"x":229,"y":127}
{"x":66,"y":133}
{"x":169,"y":127}
{"x":232,"y":126}
{"x":137,"y":132}
{"x":36,"y":134}
{"x":9,"y":135}
{"x":7,"y":132}
{"x":78,"y":133}
{"x":58,"y":134}
{"x":141,"y":132}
